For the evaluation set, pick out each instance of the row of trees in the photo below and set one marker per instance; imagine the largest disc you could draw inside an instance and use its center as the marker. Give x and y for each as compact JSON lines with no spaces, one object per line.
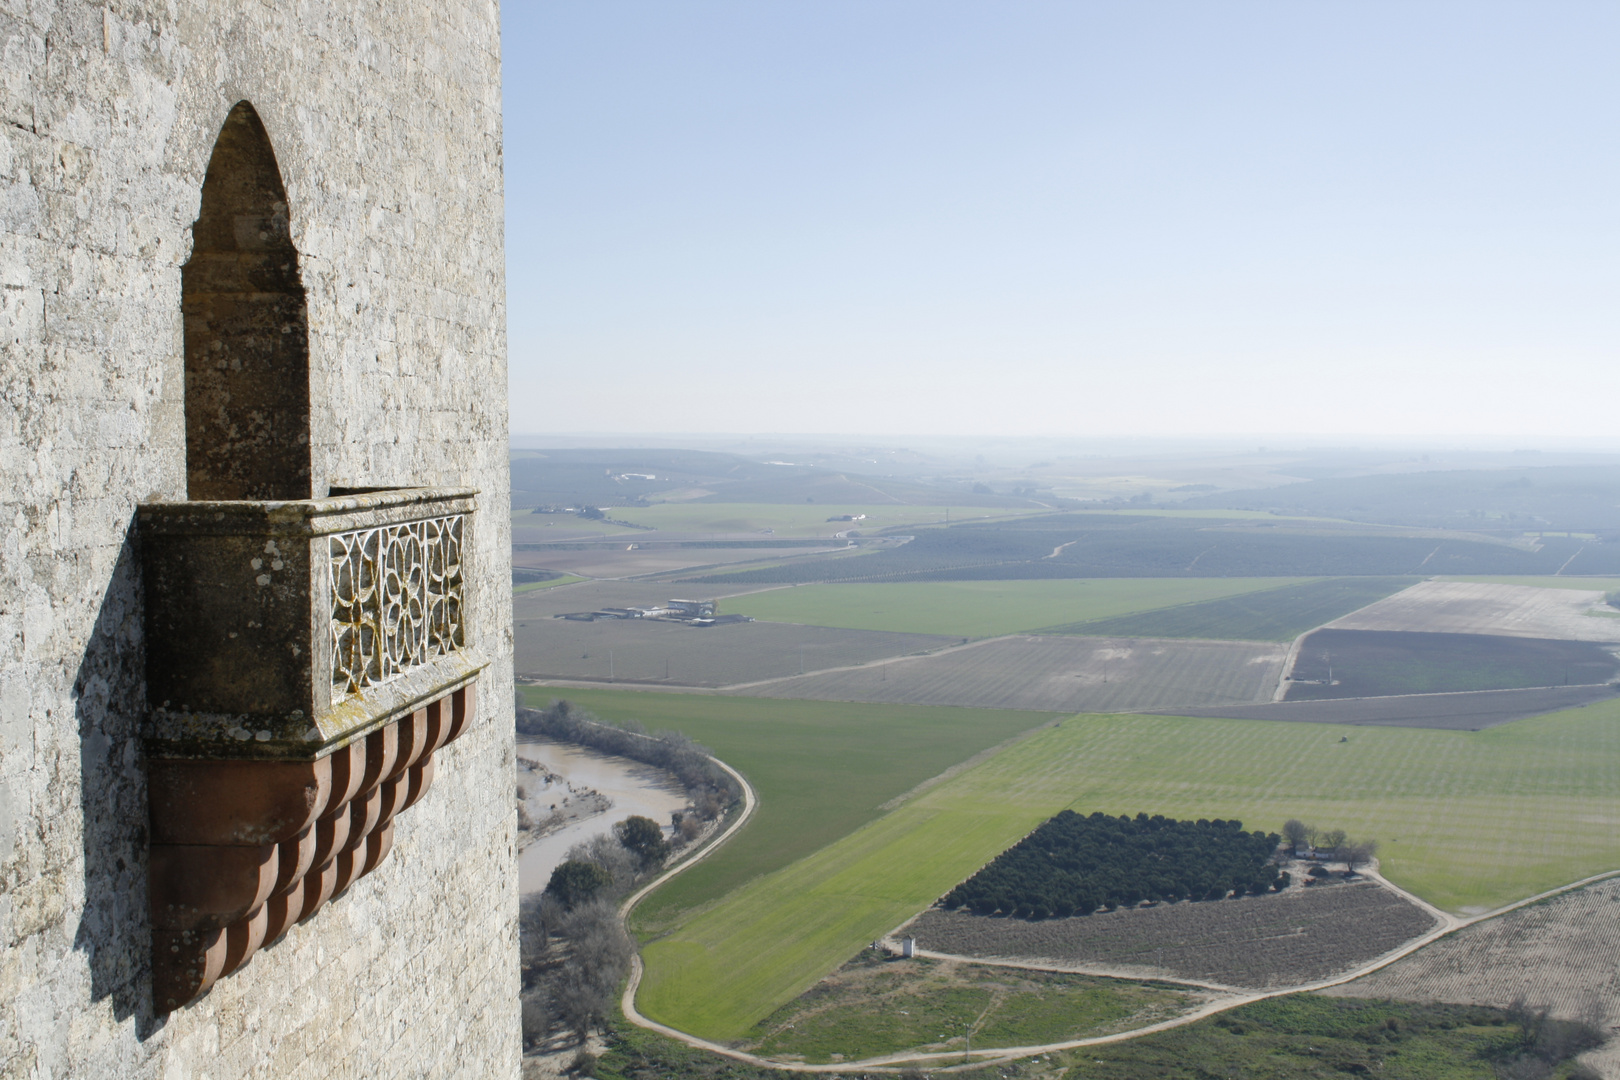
{"x":709,"y":787}
{"x":575,"y":950}
{"x":1332,"y":842}
{"x":1072,"y":865}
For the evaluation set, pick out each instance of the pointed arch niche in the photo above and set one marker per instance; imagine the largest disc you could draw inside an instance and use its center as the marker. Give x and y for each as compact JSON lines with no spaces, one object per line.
{"x":246,"y":329}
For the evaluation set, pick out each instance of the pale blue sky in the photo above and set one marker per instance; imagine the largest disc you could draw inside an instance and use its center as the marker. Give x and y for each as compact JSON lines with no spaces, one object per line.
{"x":1073,"y":218}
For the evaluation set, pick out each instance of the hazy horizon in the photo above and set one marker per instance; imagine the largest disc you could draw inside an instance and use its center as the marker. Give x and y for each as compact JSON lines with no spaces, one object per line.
{"x":1353,"y":222}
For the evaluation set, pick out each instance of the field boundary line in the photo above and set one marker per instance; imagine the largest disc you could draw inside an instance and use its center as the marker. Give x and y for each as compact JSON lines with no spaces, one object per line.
{"x":941,"y":651}
{"x":1293,"y":650}
{"x":1288,"y":665}
{"x":962,"y":766}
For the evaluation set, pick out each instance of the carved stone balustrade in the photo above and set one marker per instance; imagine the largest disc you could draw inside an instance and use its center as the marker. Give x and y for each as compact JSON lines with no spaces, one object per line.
{"x":305,"y":660}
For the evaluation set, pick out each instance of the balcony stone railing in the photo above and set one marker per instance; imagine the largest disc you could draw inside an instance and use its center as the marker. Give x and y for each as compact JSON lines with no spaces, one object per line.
{"x":305,"y":660}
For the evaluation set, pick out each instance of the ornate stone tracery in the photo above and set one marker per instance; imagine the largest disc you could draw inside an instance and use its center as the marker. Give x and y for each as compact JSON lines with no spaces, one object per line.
{"x":396,"y":600}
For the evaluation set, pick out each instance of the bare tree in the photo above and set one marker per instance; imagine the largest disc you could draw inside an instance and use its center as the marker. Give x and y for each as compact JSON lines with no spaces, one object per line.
{"x":1331,"y":840}
{"x":538,"y":916}
{"x":1358,"y":854}
{"x":1295,"y":832}
{"x":598,"y":961}
{"x":609,"y":855}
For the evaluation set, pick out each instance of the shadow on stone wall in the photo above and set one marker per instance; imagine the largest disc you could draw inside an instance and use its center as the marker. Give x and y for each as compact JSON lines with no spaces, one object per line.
{"x":109,"y":692}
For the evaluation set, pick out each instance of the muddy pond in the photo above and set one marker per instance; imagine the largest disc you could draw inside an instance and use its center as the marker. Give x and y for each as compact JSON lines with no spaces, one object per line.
{"x":629,"y":786}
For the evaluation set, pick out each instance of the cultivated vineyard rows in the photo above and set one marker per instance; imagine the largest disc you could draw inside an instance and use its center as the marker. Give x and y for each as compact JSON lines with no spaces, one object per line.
{"x":1563,"y":955}
{"x":1284,"y":939}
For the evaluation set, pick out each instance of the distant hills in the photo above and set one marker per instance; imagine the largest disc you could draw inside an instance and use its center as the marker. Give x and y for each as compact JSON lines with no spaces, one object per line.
{"x":1575,"y":498}
{"x":608,"y":477}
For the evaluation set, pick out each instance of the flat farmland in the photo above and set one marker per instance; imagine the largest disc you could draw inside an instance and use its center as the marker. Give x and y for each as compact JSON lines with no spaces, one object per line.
{"x":565,"y":528}
{"x":537,"y":586}
{"x":1466,"y":711}
{"x":1464,"y":607}
{"x":821,"y":770}
{"x":973,"y":609}
{"x":1562,"y":954}
{"x":1300,"y":935}
{"x":648,"y":650}
{"x":791,"y":519}
{"x":1467,"y":820}
{"x":1371,"y":663}
{"x":653,"y":558}
{"x":1269,"y":615}
{"x":1066,"y":674}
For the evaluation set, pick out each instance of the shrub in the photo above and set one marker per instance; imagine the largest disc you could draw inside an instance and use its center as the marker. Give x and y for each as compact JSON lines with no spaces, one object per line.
{"x":576,"y":881}
{"x":642,"y":837}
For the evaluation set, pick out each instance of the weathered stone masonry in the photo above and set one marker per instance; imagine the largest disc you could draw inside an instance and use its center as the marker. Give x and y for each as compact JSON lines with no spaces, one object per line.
{"x":385,"y":125}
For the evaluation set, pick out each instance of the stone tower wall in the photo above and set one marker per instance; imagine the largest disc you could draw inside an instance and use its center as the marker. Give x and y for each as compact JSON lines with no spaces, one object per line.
{"x":385,"y":121}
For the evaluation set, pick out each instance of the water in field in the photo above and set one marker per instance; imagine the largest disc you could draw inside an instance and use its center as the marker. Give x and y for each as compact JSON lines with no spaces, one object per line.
{"x":632,"y":787}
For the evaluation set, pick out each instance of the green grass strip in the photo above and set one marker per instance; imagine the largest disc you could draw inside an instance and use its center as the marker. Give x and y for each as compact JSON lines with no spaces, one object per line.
{"x":984,"y":608}
{"x":821,"y":769}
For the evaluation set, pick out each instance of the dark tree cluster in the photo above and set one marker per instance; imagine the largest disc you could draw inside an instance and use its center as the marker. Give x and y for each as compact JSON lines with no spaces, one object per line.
{"x":1073,"y":865}
{"x":710,"y":787}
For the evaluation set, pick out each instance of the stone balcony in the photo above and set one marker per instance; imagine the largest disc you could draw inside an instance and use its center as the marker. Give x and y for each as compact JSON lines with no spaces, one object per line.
{"x":305,"y":659}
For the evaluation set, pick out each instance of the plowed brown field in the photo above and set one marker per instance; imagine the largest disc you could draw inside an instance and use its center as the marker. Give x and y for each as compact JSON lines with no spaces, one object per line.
{"x":1562,"y":954}
{"x":1471,"y":607}
{"x":1057,"y":674}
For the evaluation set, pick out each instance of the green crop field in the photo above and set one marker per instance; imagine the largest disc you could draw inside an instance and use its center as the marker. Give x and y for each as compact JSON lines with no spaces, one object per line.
{"x":983,"y":608}
{"x":821,"y":769}
{"x":1467,"y":820}
{"x":1375,"y":663}
{"x":1270,"y":615}
{"x":791,"y":519}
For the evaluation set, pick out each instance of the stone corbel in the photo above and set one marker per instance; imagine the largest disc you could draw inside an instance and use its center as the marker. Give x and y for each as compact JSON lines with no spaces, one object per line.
{"x":242,"y":850}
